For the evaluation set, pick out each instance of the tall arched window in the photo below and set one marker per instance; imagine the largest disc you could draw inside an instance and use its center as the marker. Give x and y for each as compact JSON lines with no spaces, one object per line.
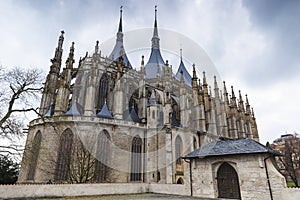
{"x":64,"y":156}
{"x":103,"y":91}
{"x":136,"y":159}
{"x":36,"y":144}
{"x":102,"y":156}
{"x":133,"y":101}
{"x":178,"y":149}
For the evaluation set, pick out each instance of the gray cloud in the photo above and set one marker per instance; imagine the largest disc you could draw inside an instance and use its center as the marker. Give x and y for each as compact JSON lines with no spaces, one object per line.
{"x":254,"y":44}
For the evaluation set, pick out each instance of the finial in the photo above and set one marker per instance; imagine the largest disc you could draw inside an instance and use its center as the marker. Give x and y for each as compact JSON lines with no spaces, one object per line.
{"x":204,"y":79}
{"x":97,"y":47}
{"x":142,"y":63}
{"x":61,"y":39}
{"x":215,"y":82}
{"x":240,"y":96}
{"x":253,"y":113}
{"x":167,"y":63}
{"x":232,"y":91}
{"x":180,"y":53}
{"x":194,"y":72}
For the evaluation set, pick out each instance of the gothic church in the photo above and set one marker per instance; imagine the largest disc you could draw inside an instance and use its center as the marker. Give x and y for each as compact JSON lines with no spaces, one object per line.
{"x":120,"y":124}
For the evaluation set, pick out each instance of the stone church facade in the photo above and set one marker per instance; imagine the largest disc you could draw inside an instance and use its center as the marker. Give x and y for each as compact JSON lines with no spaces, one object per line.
{"x":127,"y":125}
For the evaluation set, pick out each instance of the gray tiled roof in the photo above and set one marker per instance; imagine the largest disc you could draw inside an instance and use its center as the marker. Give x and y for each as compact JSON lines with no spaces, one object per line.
{"x":230,"y":147}
{"x":186,"y":76}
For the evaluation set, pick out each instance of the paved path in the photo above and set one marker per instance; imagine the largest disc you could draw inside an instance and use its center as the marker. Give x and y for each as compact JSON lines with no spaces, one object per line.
{"x":146,"y":196}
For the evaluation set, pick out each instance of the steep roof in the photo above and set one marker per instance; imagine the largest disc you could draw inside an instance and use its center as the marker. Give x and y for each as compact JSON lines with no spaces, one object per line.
{"x":131,"y":115}
{"x":155,"y":62}
{"x":119,"y":46}
{"x":186,"y":76}
{"x":74,"y":109}
{"x":104,"y":112}
{"x":230,"y":147}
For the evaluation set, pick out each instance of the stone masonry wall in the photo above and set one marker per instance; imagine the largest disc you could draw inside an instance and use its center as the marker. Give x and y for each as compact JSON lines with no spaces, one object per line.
{"x":251,"y":173}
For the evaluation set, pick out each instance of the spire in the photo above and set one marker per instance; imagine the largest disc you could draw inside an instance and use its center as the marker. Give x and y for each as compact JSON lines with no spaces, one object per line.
{"x":216,"y":88}
{"x":155,"y":38}
{"x":70,"y":60}
{"x":226,"y":95}
{"x":155,"y":58}
{"x":56,"y":61}
{"x":119,"y":46}
{"x":248,"y":109}
{"x":233,"y":98}
{"x":204,"y":79}
{"x":194,"y":79}
{"x":241,"y":102}
{"x":155,"y":31}
{"x":120,"y":23}
{"x":61,"y":40}
{"x":183,"y":71}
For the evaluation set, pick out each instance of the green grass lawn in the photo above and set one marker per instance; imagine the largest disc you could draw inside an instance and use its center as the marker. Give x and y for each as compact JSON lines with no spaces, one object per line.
{"x":291,"y":184}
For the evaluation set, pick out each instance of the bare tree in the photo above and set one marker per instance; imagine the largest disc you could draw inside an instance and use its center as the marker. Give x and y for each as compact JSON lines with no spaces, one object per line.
{"x":289,"y":163}
{"x":19,"y":91}
{"x":82,"y":164}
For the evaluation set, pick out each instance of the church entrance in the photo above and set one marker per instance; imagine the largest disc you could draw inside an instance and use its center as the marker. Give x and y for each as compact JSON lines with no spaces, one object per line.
{"x":228,"y":182}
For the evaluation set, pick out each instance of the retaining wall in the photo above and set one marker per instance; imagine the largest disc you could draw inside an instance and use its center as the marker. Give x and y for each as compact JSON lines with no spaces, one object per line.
{"x":65,"y":190}
{"x":73,"y":190}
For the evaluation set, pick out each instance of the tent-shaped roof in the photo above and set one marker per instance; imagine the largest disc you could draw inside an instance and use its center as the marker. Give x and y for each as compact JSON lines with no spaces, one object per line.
{"x":155,"y":62}
{"x":186,"y":76}
{"x":230,"y":147}
{"x":104,"y":112}
{"x":119,"y":49}
{"x":131,"y":115}
{"x":74,"y":109}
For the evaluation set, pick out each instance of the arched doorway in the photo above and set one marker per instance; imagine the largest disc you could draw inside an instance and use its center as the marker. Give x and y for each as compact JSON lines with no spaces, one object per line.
{"x":228,"y":182}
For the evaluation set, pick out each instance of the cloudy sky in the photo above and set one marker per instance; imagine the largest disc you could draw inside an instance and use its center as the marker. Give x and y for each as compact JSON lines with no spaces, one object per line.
{"x":254,"y":44}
